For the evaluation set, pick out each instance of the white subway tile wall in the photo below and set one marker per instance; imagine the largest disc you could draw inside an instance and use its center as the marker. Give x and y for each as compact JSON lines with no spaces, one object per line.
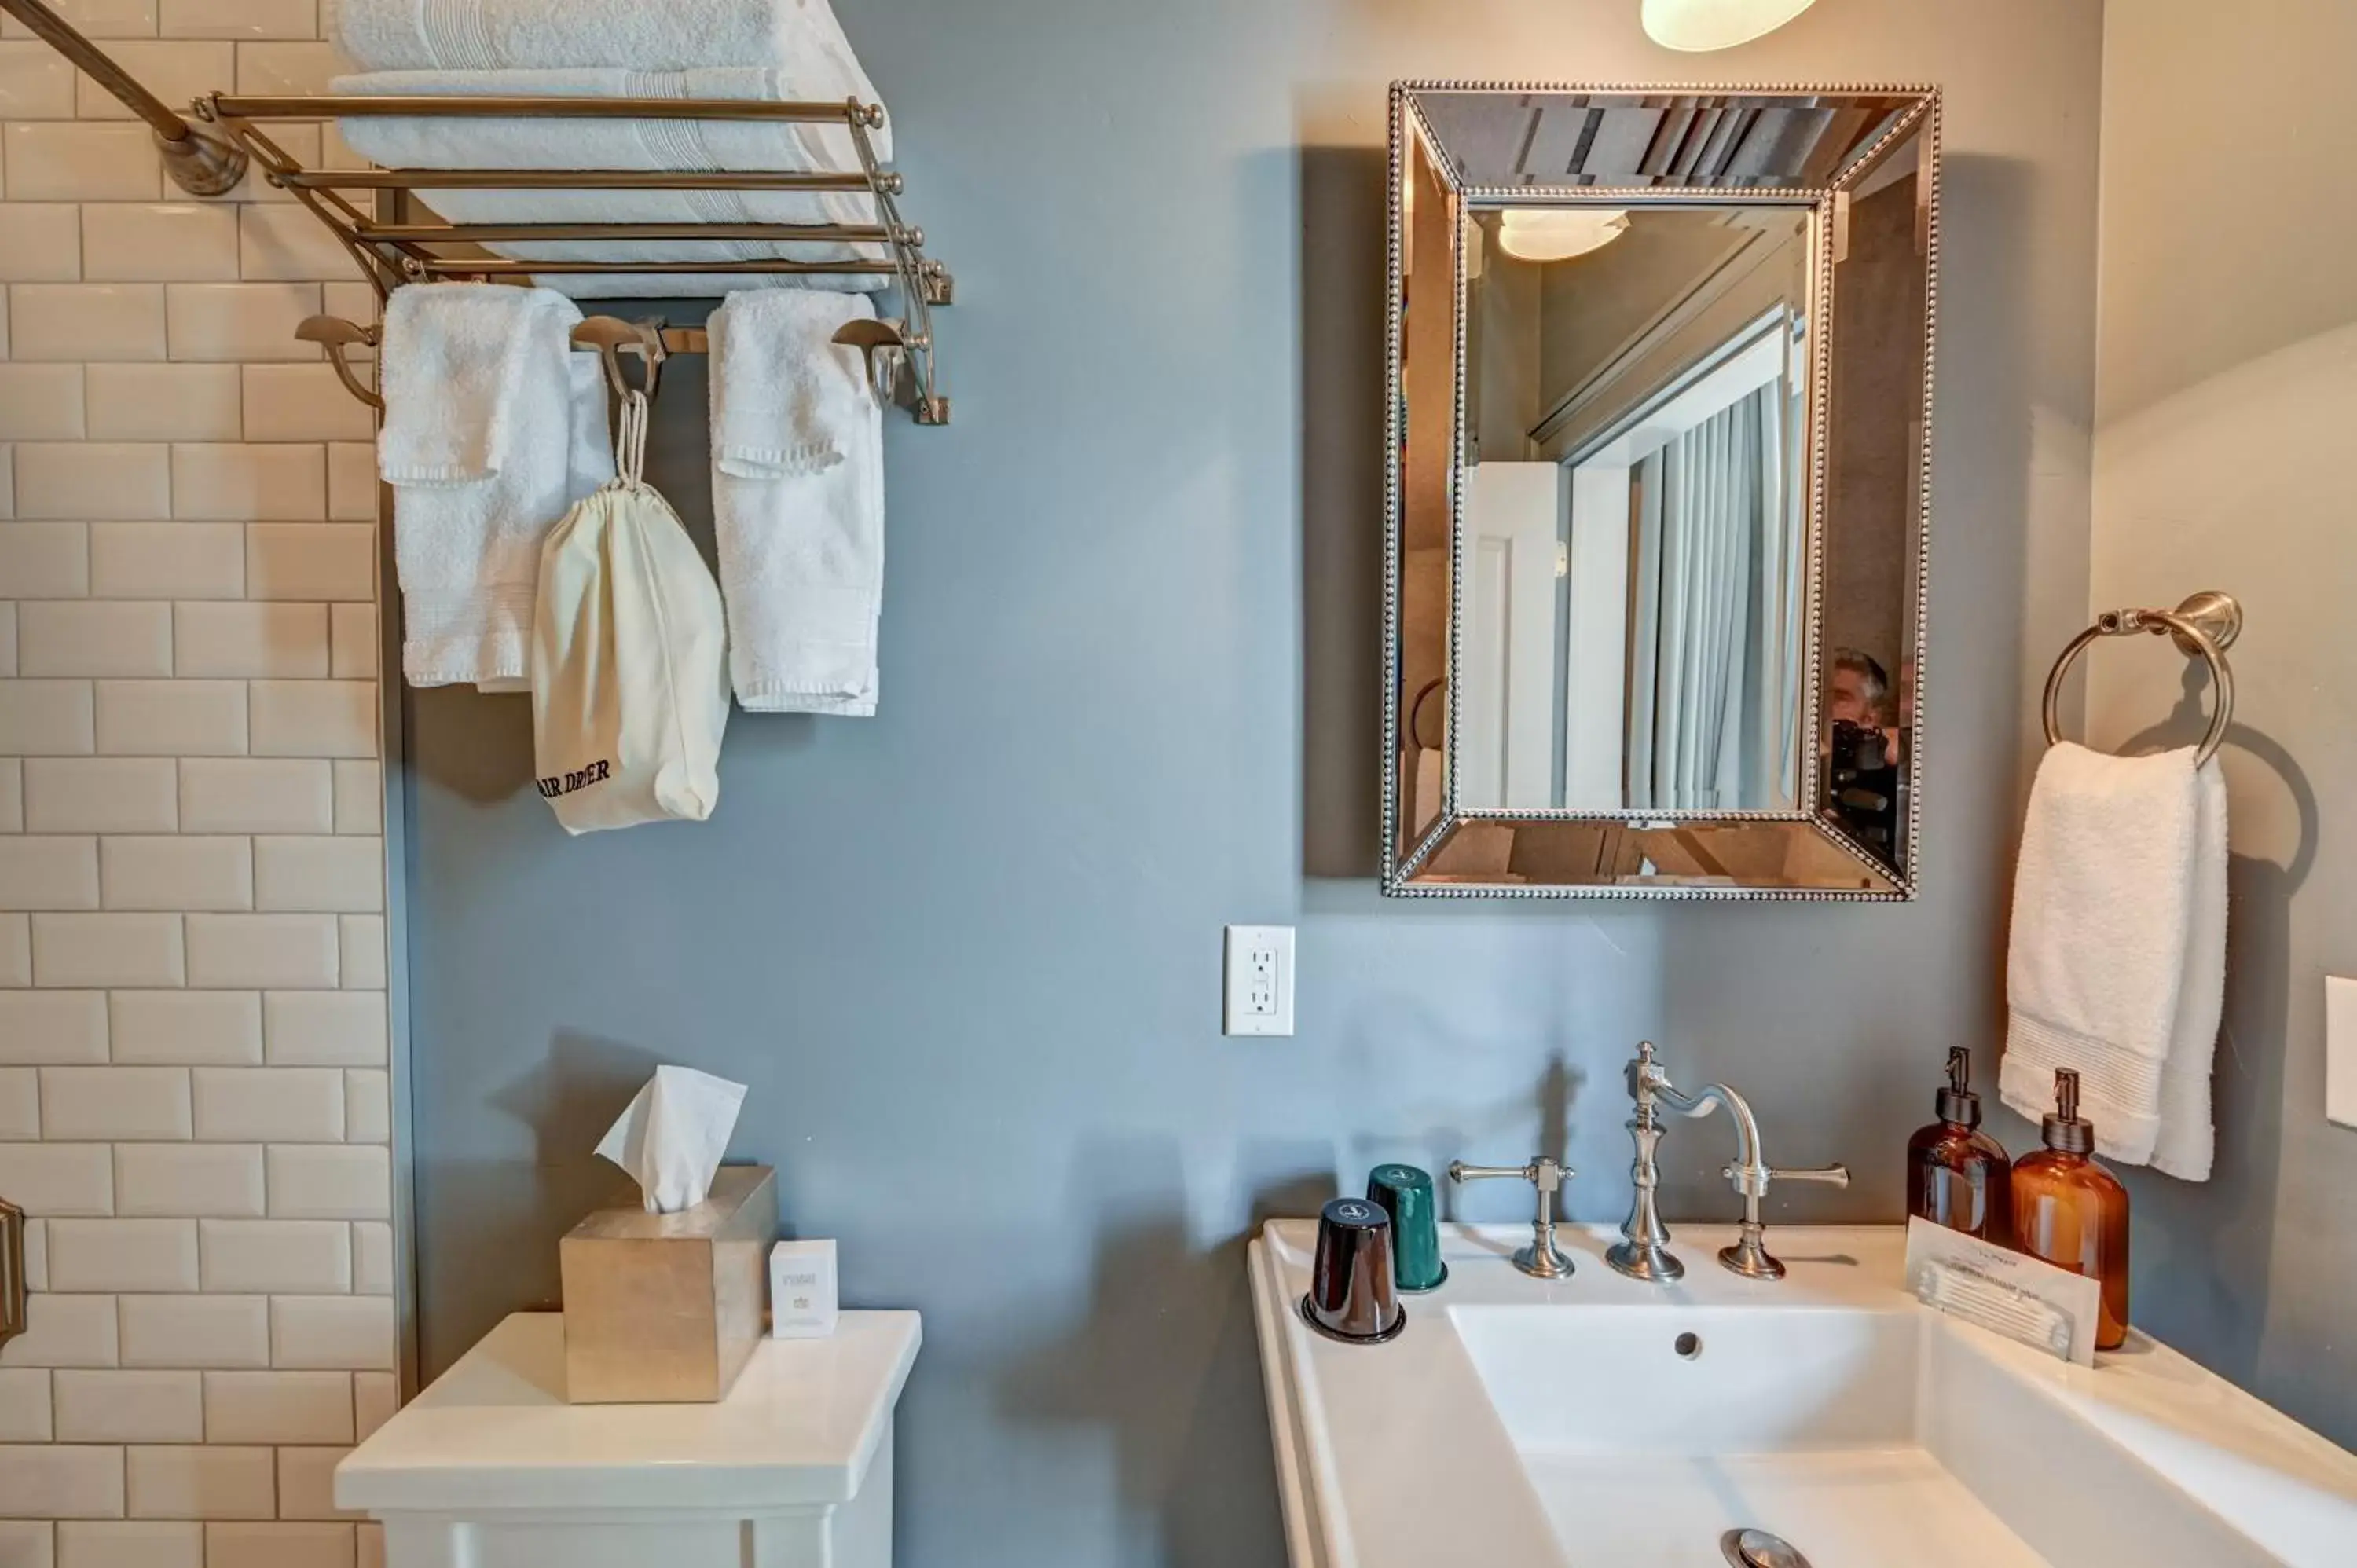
{"x":195,"y":1101}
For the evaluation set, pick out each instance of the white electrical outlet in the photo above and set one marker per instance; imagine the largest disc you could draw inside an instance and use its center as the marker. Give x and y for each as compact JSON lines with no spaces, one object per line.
{"x":1260,"y":981}
{"x":2341,"y":1050}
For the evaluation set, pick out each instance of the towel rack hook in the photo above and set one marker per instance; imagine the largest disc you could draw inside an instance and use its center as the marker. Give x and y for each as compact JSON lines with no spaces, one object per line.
{"x":335,"y":334}
{"x":884,"y":348}
{"x":613,"y":338}
{"x":2203,"y":627}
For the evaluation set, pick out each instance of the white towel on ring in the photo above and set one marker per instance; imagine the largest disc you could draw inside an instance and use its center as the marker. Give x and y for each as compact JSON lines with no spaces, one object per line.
{"x":493,"y":428}
{"x":2116,"y":961}
{"x":798,"y":501}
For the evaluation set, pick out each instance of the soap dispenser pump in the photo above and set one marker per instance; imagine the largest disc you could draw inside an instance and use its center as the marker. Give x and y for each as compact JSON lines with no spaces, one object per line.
{"x":1958,"y":1176}
{"x":2072,"y":1213}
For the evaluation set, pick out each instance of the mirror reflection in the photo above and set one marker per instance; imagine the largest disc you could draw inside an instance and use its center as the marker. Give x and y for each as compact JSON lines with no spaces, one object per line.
{"x":1636,"y":404}
{"x":1659,"y":412}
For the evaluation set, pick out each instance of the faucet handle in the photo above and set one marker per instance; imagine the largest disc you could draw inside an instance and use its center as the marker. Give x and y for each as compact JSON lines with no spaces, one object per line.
{"x":1544,"y":1172}
{"x":1831,"y":1175}
{"x":1541,"y":1259}
{"x":1749,"y":1256}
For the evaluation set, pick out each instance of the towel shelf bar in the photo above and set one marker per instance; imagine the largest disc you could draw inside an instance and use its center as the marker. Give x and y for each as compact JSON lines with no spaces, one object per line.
{"x":229,"y":105}
{"x":2204,"y":627}
{"x":502,"y":266}
{"x":885,"y":341}
{"x":890,"y":184}
{"x":397,"y":247}
{"x":432,"y":233}
{"x":211,"y":150}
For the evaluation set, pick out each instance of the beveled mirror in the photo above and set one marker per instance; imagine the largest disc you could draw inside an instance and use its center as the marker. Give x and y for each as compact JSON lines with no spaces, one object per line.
{"x":1659,"y":405}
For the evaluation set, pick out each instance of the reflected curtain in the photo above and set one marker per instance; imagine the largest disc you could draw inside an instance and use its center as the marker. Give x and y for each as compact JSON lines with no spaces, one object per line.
{"x":1716,"y":615}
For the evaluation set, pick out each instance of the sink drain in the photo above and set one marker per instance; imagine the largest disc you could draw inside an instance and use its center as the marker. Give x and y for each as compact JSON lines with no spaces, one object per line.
{"x":1758,"y":1548}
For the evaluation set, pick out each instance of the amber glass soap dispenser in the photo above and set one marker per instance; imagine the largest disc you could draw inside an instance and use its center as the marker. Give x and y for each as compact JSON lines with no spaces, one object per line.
{"x":1958,"y":1176}
{"x":2072,"y":1213}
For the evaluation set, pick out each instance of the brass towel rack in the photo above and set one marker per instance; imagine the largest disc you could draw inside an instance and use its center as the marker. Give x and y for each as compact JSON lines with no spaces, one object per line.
{"x":207,"y":155}
{"x":879,"y":343}
{"x":2204,"y":627}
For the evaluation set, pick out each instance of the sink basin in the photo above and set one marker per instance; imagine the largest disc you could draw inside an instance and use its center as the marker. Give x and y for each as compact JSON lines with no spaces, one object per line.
{"x":1599,"y":1422}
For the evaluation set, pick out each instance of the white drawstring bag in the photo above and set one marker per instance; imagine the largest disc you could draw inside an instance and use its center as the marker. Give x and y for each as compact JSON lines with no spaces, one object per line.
{"x":630,"y":661}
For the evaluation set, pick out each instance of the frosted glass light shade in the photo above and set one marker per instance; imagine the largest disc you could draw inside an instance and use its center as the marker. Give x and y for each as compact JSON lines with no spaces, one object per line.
{"x":1698,"y":26}
{"x":1558,"y":233}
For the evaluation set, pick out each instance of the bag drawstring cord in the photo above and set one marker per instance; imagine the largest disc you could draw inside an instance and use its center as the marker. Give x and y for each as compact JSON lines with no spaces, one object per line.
{"x":630,"y":441}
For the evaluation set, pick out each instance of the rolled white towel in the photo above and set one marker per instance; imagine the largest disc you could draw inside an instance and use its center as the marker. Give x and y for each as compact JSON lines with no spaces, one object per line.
{"x":653,"y":35}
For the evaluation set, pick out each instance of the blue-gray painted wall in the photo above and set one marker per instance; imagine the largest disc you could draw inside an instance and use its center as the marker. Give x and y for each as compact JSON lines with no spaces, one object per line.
{"x":967,"y":954}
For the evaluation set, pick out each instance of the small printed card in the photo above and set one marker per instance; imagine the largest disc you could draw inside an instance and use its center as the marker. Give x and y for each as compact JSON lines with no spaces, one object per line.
{"x":2008,"y":1293}
{"x":802,"y":1290}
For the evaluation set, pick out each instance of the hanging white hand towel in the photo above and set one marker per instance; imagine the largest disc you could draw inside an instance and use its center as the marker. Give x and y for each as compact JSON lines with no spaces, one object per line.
{"x":2187,"y":1141}
{"x":2116,"y":959}
{"x":492,"y":431}
{"x":798,"y":501}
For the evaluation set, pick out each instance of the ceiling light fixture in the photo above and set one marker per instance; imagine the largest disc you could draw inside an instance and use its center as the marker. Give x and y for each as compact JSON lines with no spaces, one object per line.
{"x":1558,"y":233}
{"x":1699,"y":25}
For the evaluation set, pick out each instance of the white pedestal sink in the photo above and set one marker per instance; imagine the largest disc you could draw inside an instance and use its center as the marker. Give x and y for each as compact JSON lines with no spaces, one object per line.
{"x":1599,"y":1422}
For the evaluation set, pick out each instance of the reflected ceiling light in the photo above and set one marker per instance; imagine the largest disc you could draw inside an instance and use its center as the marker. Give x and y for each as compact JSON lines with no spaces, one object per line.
{"x":1558,"y":233}
{"x":1698,"y":26}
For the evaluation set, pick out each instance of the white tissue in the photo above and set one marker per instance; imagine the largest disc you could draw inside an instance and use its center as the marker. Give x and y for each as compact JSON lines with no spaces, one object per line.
{"x":673,"y":1134}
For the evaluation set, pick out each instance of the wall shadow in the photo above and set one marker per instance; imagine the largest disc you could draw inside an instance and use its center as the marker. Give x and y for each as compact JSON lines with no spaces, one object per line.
{"x":1166,"y":1361}
{"x":513,"y":1211}
{"x":2204,"y":1272}
{"x":1855,"y":988}
{"x":1341,"y":394}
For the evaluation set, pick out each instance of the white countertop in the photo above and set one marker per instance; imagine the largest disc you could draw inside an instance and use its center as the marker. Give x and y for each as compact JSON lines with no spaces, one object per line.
{"x":494,"y":1432}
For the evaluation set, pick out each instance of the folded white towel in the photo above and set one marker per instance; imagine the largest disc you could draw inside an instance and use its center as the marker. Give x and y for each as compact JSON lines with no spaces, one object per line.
{"x":493,"y":428}
{"x":785,"y":395}
{"x":798,"y":501}
{"x":652,"y":35}
{"x":2118,"y":956}
{"x":427,"y":141}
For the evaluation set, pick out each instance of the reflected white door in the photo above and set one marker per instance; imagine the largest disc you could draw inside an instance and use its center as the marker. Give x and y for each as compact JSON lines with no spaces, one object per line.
{"x":1512,"y":515}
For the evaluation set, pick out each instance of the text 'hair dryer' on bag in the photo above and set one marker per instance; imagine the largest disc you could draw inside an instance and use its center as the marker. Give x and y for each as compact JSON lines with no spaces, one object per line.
{"x":629,"y":667}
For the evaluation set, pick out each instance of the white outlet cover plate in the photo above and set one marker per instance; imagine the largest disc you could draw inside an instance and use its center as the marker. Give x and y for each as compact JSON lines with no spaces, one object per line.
{"x":1259,"y":980}
{"x":2341,"y":1050}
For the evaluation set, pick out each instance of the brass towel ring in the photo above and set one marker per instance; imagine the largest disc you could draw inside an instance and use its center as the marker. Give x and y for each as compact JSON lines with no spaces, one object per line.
{"x":2204,"y":627}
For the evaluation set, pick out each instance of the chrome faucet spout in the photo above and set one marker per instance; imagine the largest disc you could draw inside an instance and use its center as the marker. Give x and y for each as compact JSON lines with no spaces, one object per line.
{"x":1643,"y":1251}
{"x":1749,"y":1171}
